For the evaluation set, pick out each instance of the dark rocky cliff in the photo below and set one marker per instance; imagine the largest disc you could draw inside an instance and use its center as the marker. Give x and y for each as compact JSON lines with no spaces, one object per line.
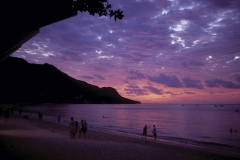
{"x":22,"y":82}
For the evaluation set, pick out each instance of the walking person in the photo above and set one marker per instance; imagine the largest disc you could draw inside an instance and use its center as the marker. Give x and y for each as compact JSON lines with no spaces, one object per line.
{"x":154,"y":132}
{"x":145,"y":131}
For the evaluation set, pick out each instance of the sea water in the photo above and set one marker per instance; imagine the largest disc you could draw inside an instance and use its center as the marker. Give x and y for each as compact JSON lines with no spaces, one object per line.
{"x":202,"y":125}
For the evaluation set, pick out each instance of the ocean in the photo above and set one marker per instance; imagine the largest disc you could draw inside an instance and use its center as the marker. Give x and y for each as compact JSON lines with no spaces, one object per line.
{"x":205,"y":125}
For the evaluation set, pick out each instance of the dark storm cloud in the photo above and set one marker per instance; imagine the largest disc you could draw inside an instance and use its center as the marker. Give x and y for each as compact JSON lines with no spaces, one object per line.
{"x":221,"y":83}
{"x":170,"y":81}
{"x":154,"y":90}
{"x":133,"y":89}
{"x":191,"y":83}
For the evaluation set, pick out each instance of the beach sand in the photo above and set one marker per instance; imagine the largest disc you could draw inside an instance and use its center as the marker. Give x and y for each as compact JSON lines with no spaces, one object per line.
{"x":43,"y":140}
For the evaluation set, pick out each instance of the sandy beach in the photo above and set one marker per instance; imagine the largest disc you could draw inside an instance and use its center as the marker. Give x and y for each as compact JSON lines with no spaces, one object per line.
{"x":41,"y":140}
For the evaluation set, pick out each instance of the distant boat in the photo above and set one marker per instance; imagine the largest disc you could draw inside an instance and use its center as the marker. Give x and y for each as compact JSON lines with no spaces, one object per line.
{"x":183,"y":105}
{"x":237,"y":110}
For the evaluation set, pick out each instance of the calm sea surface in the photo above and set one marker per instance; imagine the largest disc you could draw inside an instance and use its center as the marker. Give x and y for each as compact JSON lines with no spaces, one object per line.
{"x":203,"y":125}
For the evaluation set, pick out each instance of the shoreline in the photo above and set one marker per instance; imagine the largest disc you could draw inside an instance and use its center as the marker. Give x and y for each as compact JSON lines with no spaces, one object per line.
{"x":40,"y":139}
{"x":209,"y":148}
{"x":198,"y":144}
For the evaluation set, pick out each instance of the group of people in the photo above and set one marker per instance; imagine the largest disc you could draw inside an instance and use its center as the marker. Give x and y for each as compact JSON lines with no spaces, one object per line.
{"x":154,"y":131}
{"x":75,"y":127}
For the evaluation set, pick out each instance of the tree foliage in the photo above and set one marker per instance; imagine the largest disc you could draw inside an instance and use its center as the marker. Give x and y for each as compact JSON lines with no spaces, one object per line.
{"x":100,"y":7}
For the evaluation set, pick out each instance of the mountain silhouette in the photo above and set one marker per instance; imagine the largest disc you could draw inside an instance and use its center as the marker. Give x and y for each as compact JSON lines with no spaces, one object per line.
{"x":23,"y":82}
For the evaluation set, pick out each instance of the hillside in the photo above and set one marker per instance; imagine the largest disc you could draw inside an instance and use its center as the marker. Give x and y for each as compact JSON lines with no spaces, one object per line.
{"x":22,"y":82}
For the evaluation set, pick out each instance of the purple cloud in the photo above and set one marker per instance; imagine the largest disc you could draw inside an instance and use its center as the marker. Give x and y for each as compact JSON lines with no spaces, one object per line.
{"x":168,"y":92}
{"x":221,"y":83}
{"x":99,"y":77}
{"x":135,"y":90}
{"x":189,"y":92}
{"x":170,"y":81}
{"x":134,"y":74}
{"x":173,"y":94}
{"x":190,"y":83}
{"x":88,"y":77}
{"x":154,"y":90}
{"x":236,"y":77}
{"x":192,"y":64}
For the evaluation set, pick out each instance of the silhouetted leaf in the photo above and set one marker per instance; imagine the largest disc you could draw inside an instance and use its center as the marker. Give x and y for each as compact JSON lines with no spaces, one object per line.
{"x":100,"y":7}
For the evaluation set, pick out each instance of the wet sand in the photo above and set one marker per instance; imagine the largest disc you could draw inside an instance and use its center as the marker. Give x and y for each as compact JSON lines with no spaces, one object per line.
{"x":42,"y":140}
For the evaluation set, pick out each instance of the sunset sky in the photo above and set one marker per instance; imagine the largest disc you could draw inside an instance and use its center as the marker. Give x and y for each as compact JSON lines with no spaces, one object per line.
{"x":163,"y":51}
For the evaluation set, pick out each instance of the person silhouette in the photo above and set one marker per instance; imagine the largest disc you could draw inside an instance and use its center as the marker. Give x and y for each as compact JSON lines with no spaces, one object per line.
{"x":81,"y":129}
{"x":145,"y":131}
{"x":84,"y":128}
{"x":76,"y":126}
{"x":59,"y":118}
{"x":72,"y":128}
{"x":154,"y":132}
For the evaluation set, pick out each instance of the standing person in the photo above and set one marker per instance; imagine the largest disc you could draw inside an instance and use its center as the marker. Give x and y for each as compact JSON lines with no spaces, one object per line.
{"x":59,"y":118}
{"x":72,"y":128}
{"x":76,"y":125}
{"x":81,"y":129}
{"x":145,"y":131}
{"x":41,"y":115}
{"x":154,"y":132}
{"x":84,"y":128}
